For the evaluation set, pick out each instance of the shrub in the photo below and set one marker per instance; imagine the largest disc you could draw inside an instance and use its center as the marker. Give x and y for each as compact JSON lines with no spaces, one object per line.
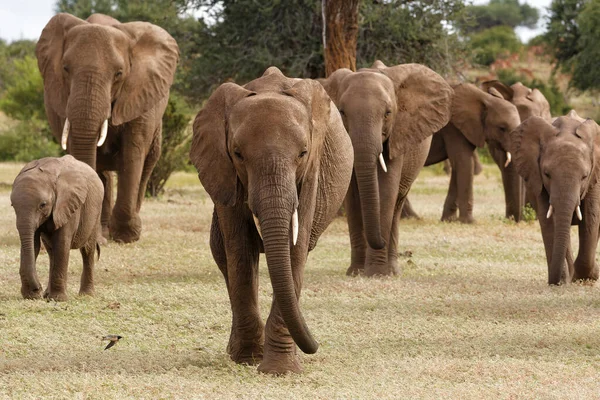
{"x":176,"y":139}
{"x":24,"y":95}
{"x":492,"y":43}
{"x":26,"y":141}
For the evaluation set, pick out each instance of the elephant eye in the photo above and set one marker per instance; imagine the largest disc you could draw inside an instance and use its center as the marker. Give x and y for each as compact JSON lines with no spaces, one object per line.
{"x":547,"y":174}
{"x":238,"y":155}
{"x":66,"y":69}
{"x":43,"y":205}
{"x":388,"y":113}
{"x":118,"y":74}
{"x":584,"y":177}
{"x":342,"y":113}
{"x":302,"y":153}
{"x":502,"y":129}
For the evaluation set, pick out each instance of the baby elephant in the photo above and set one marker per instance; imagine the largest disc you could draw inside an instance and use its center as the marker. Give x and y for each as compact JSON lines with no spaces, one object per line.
{"x":58,"y":200}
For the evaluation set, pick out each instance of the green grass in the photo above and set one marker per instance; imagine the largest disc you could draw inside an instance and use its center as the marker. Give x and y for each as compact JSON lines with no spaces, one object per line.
{"x":471,"y":315}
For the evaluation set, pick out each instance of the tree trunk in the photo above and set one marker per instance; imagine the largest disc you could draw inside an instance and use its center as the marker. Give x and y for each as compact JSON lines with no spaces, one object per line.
{"x":340,"y":30}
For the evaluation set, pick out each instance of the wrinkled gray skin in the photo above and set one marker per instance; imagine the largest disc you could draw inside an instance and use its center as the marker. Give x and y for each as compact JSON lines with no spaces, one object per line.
{"x":262,"y":151}
{"x":529,"y":103}
{"x":393,"y":112}
{"x":559,"y":163}
{"x":57,"y":201}
{"x":99,"y":70}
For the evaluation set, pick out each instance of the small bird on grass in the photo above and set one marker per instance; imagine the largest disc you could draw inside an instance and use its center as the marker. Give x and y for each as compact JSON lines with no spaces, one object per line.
{"x":113,"y":340}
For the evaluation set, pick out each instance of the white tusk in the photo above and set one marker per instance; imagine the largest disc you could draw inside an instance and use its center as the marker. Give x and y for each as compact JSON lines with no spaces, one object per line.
{"x":382,"y":162}
{"x":103,"y":133}
{"x":508,"y":159}
{"x":550,"y":211}
{"x":65,"y":134}
{"x":578,"y":211}
{"x":295,"y":227}
{"x":257,"y":223}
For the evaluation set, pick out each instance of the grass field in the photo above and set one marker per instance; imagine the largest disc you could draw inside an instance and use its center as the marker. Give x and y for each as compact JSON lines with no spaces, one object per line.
{"x":471,"y":315}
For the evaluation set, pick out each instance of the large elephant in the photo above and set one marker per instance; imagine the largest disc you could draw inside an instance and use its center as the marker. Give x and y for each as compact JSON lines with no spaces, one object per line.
{"x":529,"y":103}
{"x":390,"y":114}
{"x":274,"y":157}
{"x":57,"y":200}
{"x":106,"y":86}
{"x":478,"y":118}
{"x":560,"y":163}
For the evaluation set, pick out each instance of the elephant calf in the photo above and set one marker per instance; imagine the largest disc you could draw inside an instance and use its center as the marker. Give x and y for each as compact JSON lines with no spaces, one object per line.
{"x":58,"y":200}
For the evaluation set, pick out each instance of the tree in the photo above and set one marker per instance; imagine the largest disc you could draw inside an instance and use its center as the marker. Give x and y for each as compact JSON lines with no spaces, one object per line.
{"x":340,"y":29}
{"x":563,"y":30}
{"x":492,"y":43}
{"x":502,"y":12}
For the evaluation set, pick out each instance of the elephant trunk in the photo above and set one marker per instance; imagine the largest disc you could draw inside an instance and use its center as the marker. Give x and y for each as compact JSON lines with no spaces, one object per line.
{"x":88,"y":111}
{"x":563,"y":216}
{"x":275,"y":208}
{"x":30,"y":244}
{"x":368,"y":188}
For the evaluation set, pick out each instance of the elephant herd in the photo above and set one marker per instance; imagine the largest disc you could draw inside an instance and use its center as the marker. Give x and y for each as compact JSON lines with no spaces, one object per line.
{"x":278,"y":157}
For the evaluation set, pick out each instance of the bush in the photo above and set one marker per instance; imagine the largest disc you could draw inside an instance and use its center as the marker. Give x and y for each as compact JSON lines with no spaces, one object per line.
{"x":492,"y":43}
{"x":176,"y":140}
{"x":26,"y":141}
{"x":558,"y":104}
{"x":23,"y":98}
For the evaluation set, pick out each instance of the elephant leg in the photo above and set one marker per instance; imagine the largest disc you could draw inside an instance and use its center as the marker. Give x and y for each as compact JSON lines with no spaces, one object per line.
{"x":149,"y":164}
{"x":58,"y":251}
{"x":393,"y":242}
{"x":511,"y":182}
{"x":408,"y":211}
{"x":88,"y":252}
{"x":464,"y":188}
{"x":450,"y":204}
{"x":585,"y":263}
{"x":107,"y":203}
{"x":236,"y":255}
{"x":125,"y":223}
{"x":358,"y":244}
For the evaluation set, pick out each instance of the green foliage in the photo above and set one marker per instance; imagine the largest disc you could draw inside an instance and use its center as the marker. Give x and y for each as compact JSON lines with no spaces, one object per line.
{"x":27,"y":141}
{"x":502,"y":13}
{"x":492,"y":43}
{"x":585,"y":73}
{"x":563,"y":30}
{"x":528,"y":213}
{"x":550,"y":89}
{"x":23,"y":97}
{"x":176,"y":140}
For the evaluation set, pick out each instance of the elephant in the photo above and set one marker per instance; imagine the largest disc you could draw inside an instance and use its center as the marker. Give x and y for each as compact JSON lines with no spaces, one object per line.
{"x":478,"y":118}
{"x":57,"y":200}
{"x":559,"y":163}
{"x":106,"y":87}
{"x":390,"y":114}
{"x":276,"y":161}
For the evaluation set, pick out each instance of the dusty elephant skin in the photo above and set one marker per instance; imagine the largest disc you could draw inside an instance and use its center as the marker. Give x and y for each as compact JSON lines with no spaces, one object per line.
{"x":57,"y":201}
{"x":529,"y":103}
{"x":106,"y":87}
{"x":477,"y":118}
{"x":390,"y":114}
{"x":560,"y":165}
{"x":276,"y":161}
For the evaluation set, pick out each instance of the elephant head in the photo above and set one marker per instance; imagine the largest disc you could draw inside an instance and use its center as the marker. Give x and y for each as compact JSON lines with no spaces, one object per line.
{"x":100,"y":71}
{"x":559,"y":162}
{"x":262,"y":147}
{"x":49,"y":190}
{"x":529,"y":102}
{"x":386,"y":111}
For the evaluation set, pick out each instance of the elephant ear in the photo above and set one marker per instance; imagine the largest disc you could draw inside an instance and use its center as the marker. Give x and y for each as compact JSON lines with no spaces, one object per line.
{"x":70,"y":192}
{"x":49,"y":52}
{"x":505,"y":92}
{"x":526,"y":142}
{"x":102,"y":19}
{"x":153,"y":55}
{"x":333,"y":84}
{"x":589,"y":132}
{"x":378,"y":64}
{"x":209,"y":145}
{"x":424,"y":102}
{"x":468,"y":111}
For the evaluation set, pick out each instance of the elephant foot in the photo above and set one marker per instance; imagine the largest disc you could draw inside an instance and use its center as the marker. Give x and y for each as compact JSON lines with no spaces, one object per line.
{"x":589,"y":275}
{"x":355,"y":270}
{"x":466,"y":220}
{"x":449,"y":218}
{"x":89,"y":291}
{"x":378,"y":270}
{"x":280,"y":363}
{"x":245,"y":353}
{"x":56,"y":296}
{"x":125,"y":230}
{"x":32,"y":292}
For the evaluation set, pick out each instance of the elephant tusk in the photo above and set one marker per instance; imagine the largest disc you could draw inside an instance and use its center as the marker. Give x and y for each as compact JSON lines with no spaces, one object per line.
{"x":257,"y":223}
{"x":103,"y":133}
{"x":295,"y":227}
{"x":382,"y":162}
{"x":65,"y":134}
{"x":508,"y":159}
{"x":550,"y":210}
{"x":578,"y":211}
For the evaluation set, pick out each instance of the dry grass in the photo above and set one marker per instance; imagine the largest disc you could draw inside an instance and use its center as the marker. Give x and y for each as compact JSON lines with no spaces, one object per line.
{"x":470,"y":317}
